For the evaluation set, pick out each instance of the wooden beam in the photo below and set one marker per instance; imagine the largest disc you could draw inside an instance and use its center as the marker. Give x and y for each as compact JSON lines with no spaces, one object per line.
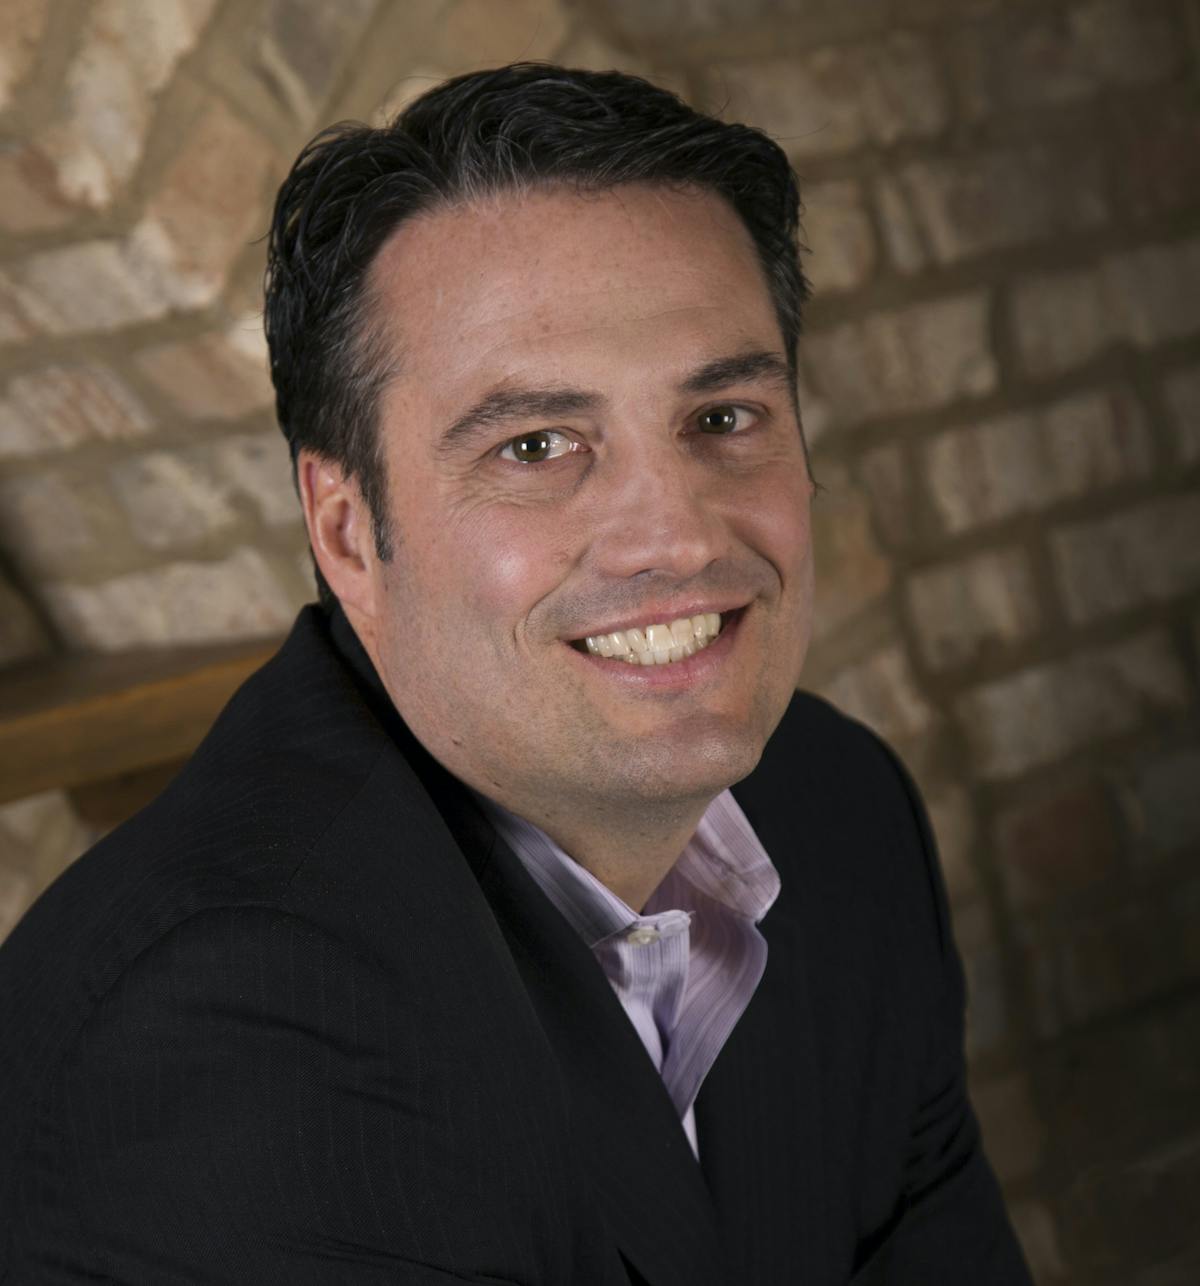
{"x":74,"y":719}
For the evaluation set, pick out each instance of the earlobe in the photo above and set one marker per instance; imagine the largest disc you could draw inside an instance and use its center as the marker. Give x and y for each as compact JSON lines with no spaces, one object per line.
{"x":339,"y":530}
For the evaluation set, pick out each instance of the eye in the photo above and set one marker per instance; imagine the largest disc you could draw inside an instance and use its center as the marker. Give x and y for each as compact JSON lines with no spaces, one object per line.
{"x":541,"y":444}
{"x":724,"y":419}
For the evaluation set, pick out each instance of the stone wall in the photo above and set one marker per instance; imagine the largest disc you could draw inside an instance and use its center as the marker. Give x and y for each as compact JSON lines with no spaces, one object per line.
{"x":1002,"y":387}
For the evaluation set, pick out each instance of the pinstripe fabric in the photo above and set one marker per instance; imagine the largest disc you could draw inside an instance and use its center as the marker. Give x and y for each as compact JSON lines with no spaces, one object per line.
{"x":307,"y":1019}
{"x":684,"y":969}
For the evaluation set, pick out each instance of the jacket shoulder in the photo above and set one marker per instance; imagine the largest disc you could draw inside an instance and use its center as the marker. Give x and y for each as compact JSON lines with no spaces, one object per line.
{"x":286,"y":756}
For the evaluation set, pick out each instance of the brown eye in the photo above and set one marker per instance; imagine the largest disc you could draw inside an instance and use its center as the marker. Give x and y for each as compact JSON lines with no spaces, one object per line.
{"x":542,"y":444}
{"x":719,"y":419}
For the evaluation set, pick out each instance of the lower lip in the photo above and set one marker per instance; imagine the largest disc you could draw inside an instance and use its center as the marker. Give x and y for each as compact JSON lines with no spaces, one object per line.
{"x":675,"y":675}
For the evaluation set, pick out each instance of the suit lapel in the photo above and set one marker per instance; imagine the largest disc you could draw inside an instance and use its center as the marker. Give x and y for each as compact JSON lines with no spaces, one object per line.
{"x":651,"y":1191}
{"x":758,"y":1115}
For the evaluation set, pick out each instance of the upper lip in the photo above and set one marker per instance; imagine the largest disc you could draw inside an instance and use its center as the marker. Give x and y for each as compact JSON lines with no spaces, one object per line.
{"x":655,"y":615}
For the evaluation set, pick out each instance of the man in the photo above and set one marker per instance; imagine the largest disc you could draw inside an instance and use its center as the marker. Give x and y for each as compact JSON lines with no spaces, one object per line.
{"x":451,"y":956}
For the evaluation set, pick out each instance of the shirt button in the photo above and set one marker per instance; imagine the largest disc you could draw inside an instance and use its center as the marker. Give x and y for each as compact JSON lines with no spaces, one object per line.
{"x":642,"y":935}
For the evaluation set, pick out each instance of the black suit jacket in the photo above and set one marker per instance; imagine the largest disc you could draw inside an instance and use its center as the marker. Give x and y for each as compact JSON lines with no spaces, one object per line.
{"x":305,"y":1019}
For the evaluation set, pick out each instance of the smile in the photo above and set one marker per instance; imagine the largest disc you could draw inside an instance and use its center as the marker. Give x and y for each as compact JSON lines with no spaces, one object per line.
{"x":657,"y":644}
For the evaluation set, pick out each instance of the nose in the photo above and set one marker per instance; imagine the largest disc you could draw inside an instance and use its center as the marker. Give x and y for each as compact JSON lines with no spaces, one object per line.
{"x":660,"y":513}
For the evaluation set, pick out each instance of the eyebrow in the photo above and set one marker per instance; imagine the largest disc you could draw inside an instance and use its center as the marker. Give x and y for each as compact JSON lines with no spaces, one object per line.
{"x":741,"y":368}
{"x":512,"y":405}
{"x":505,"y":406}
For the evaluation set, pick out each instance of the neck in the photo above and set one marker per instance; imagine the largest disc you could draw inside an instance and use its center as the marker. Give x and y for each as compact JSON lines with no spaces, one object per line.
{"x":630,"y":854}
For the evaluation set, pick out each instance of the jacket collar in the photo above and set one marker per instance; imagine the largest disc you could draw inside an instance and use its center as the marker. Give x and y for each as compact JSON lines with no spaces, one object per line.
{"x":649,"y":1187}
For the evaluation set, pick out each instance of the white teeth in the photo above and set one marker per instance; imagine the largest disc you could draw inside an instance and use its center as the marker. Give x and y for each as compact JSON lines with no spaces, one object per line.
{"x":660,"y":643}
{"x":658,"y":637}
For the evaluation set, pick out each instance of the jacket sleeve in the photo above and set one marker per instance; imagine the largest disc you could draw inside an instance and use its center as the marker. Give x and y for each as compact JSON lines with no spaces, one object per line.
{"x":230,"y":1113}
{"x":951,"y":1228}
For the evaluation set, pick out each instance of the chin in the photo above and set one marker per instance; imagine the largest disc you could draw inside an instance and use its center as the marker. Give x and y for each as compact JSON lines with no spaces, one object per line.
{"x":712,"y":763}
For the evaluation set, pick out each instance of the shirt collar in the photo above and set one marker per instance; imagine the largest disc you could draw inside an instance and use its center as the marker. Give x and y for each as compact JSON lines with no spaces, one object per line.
{"x":723,"y":862}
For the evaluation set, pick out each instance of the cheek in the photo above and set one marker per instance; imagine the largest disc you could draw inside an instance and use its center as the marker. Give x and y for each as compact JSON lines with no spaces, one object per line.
{"x":778,"y":526}
{"x":509,"y":560}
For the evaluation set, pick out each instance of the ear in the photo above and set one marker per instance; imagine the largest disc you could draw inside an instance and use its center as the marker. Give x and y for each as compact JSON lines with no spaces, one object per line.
{"x":339,"y":530}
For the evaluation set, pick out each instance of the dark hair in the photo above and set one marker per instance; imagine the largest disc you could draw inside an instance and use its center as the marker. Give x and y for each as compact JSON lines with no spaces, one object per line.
{"x":517,"y":127}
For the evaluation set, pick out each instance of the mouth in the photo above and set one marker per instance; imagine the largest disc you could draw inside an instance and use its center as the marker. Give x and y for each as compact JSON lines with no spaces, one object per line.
{"x":659,"y":642}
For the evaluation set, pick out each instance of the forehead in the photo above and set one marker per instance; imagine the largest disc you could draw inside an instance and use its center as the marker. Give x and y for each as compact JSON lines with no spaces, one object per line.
{"x":561,"y":278}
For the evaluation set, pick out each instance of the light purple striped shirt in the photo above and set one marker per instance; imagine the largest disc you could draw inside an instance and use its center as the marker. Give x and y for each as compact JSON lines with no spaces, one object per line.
{"x":685,"y":969}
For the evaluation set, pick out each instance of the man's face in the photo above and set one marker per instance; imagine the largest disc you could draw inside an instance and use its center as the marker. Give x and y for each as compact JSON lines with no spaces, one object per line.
{"x":592,"y":429}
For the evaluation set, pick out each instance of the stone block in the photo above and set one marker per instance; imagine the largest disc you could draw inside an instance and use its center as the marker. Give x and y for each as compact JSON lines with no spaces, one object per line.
{"x":1109,"y":962}
{"x":966,"y":609}
{"x":837,"y":231}
{"x":186,"y":602}
{"x":15,"y":322}
{"x":884,"y":473}
{"x":816,"y":414}
{"x":98,"y":285}
{"x":60,"y":407}
{"x":853,"y":571}
{"x":1181,"y":393}
{"x":39,"y":837}
{"x":1155,"y":148}
{"x":1143,"y":297}
{"x":24,"y":23}
{"x":988,"y":1022}
{"x":16,"y":893}
{"x":1057,"y":844}
{"x":257,"y":467}
{"x":882,"y":692}
{"x":1117,"y":1217}
{"x":969,"y":204}
{"x":21,"y":633}
{"x":1034,"y":1226}
{"x":901,"y":230}
{"x":127,"y":53}
{"x":478,"y":33}
{"x":931,"y":10}
{"x":1088,"y":1079}
{"x":1144,"y":555}
{"x":676,"y":20}
{"x":50,"y":526}
{"x":835,"y":100}
{"x":1045,"y":712}
{"x":1028,"y":461}
{"x":29,"y":196}
{"x":1013,"y":1136}
{"x":172,"y":499}
{"x":219,"y":376}
{"x":914,"y":359}
{"x":1037,"y":57}
{"x":1061,"y":320}
{"x":1162,"y":802}
{"x":208,"y":204}
{"x":304,"y":43}
{"x":954,"y":827}
{"x":1152,"y":290}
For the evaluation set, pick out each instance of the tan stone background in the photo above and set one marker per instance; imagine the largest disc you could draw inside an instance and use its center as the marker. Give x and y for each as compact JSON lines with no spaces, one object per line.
{"x":1001,"y":383}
